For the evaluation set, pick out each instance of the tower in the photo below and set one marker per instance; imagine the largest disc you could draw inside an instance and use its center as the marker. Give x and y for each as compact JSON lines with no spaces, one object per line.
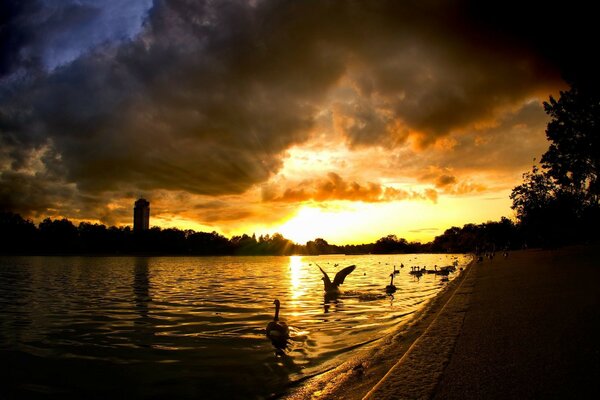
{"x":141,"y":215}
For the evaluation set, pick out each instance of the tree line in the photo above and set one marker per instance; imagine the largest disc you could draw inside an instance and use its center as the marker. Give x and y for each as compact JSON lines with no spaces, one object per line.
{"x":61,"y":236}
{"x":558,"y":203}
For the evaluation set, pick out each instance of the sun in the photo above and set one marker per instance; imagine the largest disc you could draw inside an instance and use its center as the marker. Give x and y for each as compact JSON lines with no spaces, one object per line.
{"x":304,"y":226}
{"x":311,"y":223}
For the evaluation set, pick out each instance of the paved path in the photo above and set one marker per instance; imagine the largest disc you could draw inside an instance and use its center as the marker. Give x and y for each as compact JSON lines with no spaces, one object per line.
{"x":532,"y":330}
{"x":522,"y":327}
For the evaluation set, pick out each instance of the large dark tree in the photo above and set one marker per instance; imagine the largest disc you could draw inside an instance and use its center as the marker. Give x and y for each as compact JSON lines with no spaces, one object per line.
{"x":573,"y":158}
{"x":559,"y":202}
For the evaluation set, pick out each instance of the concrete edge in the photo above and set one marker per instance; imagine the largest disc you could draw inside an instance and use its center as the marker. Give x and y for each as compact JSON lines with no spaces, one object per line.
{"x":418,"y":371}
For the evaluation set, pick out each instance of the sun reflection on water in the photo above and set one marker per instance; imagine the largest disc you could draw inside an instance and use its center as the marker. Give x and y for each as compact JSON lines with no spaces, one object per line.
{"x":296,"y":275}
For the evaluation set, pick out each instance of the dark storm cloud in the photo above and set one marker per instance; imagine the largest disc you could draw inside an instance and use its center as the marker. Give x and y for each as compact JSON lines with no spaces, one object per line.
{"x":507,"y":146}
{"x":177,"y":109}
{"x":13,"y":36}
{"x":207,"y":98}
{"x":561,"y":32}
{"x":441,"y":80}
{"x":38,"y":34}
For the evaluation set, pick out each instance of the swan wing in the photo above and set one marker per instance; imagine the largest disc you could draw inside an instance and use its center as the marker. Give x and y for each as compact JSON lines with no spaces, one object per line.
{"x":326,"y":277}
{"x":341,"y":275}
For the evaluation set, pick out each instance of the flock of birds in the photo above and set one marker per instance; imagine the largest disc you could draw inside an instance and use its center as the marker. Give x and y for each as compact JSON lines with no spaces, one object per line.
{"x":278,"y":331}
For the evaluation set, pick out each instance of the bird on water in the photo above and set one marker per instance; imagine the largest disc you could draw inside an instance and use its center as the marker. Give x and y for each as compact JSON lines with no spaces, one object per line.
{"x":277,"y":330}
{"x":332,"y":288}
{"x":389,"y":289}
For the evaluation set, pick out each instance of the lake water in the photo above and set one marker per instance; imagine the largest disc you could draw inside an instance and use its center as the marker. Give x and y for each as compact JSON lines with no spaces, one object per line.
{"x":192,"y":327}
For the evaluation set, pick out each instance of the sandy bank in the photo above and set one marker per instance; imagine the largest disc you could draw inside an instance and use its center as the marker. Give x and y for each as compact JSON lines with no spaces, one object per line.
{"x":526,"y":326}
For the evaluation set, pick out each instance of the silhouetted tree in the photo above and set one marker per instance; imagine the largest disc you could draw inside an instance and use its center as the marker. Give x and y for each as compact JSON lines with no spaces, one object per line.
{"x":573,"y":158}
{"x":319,"y":246}
{"x":204,"y":243}
{"x":120,"y":239}
{"x":390,"y":244}
{"x":58,"y":236}
{"x":503,"y":234}
{"x":559,"y":202}
{"x":279,"y":245}
{"x":17,"y":235}
{"x":533,"y":197}
{"x":489,"y":236}
{"x":244,"y":244}
{"x":93,"y":238}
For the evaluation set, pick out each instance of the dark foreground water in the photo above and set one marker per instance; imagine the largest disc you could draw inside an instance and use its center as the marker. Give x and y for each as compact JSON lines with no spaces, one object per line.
{"x":188,"y":327}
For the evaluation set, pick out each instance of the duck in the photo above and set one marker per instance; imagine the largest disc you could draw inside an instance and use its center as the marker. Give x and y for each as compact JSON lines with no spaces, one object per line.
{"x":332,"y":288}
{"x":389,"y":289}
{"x":277,"y":330}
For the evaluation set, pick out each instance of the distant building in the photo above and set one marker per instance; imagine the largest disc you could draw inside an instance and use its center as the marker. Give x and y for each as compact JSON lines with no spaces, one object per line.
{"x":141,"y":215}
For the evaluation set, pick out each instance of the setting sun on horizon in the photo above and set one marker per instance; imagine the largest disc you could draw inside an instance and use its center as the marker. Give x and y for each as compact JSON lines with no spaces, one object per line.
{"x":357,"y":223}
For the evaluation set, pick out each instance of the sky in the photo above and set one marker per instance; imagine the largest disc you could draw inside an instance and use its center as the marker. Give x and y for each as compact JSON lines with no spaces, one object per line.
{"x":344,"y":120}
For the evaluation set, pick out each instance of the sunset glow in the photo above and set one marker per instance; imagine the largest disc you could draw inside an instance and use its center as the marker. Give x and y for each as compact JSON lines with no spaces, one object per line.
{"x":311,"y":223}
{"x":413,"y":128}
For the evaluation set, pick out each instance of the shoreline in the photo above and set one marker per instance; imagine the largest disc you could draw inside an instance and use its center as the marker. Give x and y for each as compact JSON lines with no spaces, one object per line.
{"x":356,"y":377}
{"x":488,"y":336}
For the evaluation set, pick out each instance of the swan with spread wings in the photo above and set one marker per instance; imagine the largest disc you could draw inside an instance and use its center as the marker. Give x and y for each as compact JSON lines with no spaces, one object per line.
{"x":332,"y":288}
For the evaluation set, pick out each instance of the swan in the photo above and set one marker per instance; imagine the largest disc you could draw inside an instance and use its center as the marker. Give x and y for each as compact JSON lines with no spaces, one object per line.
{"x":277,"y":330}
{"x":389,"y":289}
{"x":332,"y":288}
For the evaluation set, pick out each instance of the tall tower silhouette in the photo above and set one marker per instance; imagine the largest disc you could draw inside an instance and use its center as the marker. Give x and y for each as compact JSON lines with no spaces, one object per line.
{"x":141,"y":215}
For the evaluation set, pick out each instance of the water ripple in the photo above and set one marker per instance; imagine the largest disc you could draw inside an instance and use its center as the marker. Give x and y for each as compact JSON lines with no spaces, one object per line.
{"x":202,"y":319}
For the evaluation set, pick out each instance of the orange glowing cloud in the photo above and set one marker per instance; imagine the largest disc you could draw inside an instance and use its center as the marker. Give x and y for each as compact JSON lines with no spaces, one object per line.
{"x":334,"y":187}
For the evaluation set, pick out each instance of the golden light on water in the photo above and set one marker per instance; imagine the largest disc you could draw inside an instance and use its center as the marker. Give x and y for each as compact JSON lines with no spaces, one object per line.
{"x":296,"y":275}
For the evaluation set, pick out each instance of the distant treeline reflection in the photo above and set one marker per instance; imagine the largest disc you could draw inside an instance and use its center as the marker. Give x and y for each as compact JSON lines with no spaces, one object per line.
{"x":61,"y":236}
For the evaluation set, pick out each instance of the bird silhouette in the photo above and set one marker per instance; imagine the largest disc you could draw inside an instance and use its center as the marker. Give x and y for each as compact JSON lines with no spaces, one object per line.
{"x":277,"y":330}
{"x":332,"y":288}
{"x":389,"y":289}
